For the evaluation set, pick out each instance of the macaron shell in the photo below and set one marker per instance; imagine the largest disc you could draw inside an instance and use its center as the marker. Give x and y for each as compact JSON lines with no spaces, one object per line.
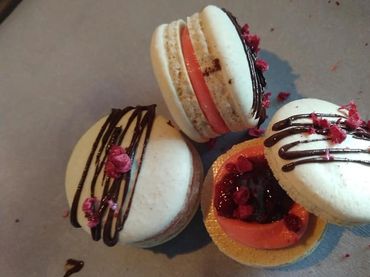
{"x":162,"y":188}
{"x":232,"y":85}
{"x":336,"y":191}
{"x":171,"y":74}
{"x":247,"y":255}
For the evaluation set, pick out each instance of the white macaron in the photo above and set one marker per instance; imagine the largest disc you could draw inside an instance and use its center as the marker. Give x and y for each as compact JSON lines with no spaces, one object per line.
{"x":208,"y":75}
{"x":151,"y":197}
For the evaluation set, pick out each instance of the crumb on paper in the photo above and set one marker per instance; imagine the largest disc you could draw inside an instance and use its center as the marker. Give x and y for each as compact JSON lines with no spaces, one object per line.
{"x":335,"y":66}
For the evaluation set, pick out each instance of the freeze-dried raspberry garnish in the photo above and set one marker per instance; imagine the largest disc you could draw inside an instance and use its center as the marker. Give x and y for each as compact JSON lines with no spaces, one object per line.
{"x":118,"y":162}
{"x":354,"y":120}
{"x":293,"y":222}
{"x":351,"y":106}
{"x":262,"y":65}
{"x":243,"y":164}
{"x":243,"y":211}
{"x":311,"y":130}
{"x":283,"y":95}
{"x":337,"y":134}
{"x":319,"y":122}
{"x":256,"y":132}
{"x":253,"y":42}
{"x":241,"y":195}
{"x":368,"y":125}
{"x":266,"y":100}
{"x":89,"y":207}
{"x":245,"y":30}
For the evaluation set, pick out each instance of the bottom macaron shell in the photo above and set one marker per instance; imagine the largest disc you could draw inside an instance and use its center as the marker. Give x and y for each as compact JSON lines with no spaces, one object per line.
{"x":248,"y":255}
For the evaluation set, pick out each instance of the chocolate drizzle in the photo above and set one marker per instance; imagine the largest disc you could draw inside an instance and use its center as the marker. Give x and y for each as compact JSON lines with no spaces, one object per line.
{"x":73,"y":266}
{"x":258,"y":80}
{"x":120,"y":189}
{"x":288,"y":127}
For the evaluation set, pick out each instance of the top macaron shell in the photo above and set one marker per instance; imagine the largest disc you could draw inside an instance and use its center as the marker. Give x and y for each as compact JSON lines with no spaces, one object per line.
{"x":214,"y":36}
{"x":162,"y":187}
{"x":336,"y":191}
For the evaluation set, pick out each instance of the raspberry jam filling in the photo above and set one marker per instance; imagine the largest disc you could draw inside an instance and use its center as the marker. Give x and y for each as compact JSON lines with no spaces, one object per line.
{"x":249,"y":192}
{"x":250,"y":206}
{"x":199,"y":85}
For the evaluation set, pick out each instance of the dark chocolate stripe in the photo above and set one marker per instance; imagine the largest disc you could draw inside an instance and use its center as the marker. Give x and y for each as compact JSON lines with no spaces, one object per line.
{"x":141,"y":119}
{"x":287,"y":127}
{"x":258,"y":80}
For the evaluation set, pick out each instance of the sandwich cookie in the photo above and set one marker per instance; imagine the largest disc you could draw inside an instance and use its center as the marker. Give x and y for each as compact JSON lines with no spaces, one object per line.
{"x":208,"y":73}
{"x":133,"y":178}
{"x":257,"y":198}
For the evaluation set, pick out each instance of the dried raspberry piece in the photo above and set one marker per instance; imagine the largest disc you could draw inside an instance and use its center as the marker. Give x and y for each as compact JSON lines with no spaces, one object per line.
{"x":354,"y":120}
{"x":311,"y":130}
{"x":117,"y":162}
{"x":351,"y":106}
{"x":337,"y":134}
{"x":253,"y":42}
{"x":256,"y":132}
{"x":293,"y":222}
{"x":368,"y":125}
{"x":262,"y":65}
{"x":244,"y":165}
{"x":283,"y":95}
{"x":319,"y":122}
{"x":241,"y":195}
{"x":245,"y":30}
{"x":243,"y":211}
{"x":266,"y":100}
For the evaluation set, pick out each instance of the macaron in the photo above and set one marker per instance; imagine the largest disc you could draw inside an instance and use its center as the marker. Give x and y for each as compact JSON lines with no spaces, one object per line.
{"x":133,"y":178}
{"x":317,"y":154}
{"x":209,"y":75}
{"x":320,"y":153}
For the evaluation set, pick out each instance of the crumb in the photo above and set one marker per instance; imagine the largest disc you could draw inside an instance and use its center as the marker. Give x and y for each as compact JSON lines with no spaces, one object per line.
{"x":335,"y":66}
{"x":216,"y":66}
{"x":366,"y":44}
{"x":329,"y":1}
{"x":272,"y":29}
{"x":345,"y":256}
{"x":360,"y":92}
{"x":65,"y":214}
{"x":230,"y":81}
{"x":337,"y":3}
{"x":16,"y":220}
{"x":170,"y":123}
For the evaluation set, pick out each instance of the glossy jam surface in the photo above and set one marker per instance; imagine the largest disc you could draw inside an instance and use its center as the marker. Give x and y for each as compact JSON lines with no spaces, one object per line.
{"x":249,"y":192}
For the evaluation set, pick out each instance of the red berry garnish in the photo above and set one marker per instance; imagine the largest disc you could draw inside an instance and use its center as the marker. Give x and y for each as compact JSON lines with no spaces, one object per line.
{"x":244,"y":165}
{"x":262,"y":65}
{"x":337,"y":134}
{"x":266,"y":100}
{"x":253,"y":42}
{"x":245,"y":30}
{"x":293,"y":222}
{"x":283,"y":95}
{"x":354,"y":120}
{"x":368,"y":125}
{"x":311,"y":130}
{"x":241,"y":195}
{"x":319,"y":122}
